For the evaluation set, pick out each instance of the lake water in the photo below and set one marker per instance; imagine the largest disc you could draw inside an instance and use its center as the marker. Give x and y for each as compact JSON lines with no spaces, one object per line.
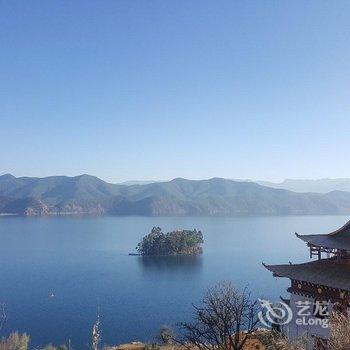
{"x":84,"y":263}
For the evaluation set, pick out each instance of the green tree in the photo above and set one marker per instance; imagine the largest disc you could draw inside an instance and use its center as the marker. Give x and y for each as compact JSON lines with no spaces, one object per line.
{"x":171,"y":243}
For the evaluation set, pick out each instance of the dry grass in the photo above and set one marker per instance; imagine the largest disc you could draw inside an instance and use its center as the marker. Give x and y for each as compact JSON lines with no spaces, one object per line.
{"x":15,"y":341}
{"x":252,"y":343}
{"x":340,"y":332}
{"x":275,"y":341}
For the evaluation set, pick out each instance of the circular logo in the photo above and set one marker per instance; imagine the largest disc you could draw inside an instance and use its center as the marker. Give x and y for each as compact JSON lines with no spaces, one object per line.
{"x":274,"y":314}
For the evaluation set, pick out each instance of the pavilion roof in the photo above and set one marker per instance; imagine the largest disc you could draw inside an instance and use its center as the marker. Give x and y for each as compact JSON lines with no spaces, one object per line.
{"x":339,"y":239}
{"x":326,"y":272}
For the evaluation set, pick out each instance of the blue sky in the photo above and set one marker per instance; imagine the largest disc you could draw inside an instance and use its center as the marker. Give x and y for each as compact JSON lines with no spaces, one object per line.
{"x":163,"y":89}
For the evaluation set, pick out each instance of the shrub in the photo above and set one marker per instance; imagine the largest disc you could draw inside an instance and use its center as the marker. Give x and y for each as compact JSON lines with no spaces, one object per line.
{"x":171,"y":243}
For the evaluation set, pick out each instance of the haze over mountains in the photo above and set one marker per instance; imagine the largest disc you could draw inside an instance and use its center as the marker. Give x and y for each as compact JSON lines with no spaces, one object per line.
{"x":295,"y":185}
{"x":318,"y":186}
{"x":87,"y":194}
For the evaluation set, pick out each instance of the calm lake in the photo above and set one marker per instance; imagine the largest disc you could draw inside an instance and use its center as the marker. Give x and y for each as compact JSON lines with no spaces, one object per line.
{"x":54,"y":272}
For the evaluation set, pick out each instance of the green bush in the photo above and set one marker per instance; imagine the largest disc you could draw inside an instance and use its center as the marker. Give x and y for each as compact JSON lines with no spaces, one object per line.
{"x":171,"y":243}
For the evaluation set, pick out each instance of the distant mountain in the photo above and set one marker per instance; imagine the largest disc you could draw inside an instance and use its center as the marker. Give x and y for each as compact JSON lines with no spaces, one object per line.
{"x":317,"y":186}
{"x":138,"y":182}
{"x":87,"y":194}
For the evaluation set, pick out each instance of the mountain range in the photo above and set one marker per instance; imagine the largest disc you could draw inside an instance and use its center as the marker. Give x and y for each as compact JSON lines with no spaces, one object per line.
{"x":318,"y":186}
{"x":295,"y":185}
{"x":85,"y":194}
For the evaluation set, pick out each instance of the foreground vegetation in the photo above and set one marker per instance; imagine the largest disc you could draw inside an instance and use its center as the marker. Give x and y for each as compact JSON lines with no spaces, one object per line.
{"x":17,"y":341}
{"x":171,"y":243}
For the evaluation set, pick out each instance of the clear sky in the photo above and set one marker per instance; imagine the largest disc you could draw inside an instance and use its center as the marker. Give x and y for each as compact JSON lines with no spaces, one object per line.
{"x":161,"y":89}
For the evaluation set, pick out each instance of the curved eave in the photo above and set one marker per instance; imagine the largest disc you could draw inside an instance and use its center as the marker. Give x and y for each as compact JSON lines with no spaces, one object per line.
{"x":326,"y":272}
{"x":340,"y":230}
{"x":302,"y":237}
{"x":271,"y":269}
{"x":308,"y":239}
{"x":344,"y":228}
{"x":326,"y":241}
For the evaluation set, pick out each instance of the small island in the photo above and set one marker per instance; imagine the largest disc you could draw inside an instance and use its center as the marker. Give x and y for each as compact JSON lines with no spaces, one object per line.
{"x":179,"y":242}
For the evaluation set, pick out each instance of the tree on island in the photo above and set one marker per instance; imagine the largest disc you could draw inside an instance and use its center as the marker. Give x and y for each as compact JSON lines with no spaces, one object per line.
{"x":171,"y":243}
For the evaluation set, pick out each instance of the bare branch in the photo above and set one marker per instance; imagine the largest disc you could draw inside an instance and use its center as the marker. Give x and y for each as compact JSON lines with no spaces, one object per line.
{"x":223,"y":321}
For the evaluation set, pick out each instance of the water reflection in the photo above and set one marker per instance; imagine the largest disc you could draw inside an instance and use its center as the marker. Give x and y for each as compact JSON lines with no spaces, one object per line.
{"x":185,"y":263}
{"x":84,"y":260}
